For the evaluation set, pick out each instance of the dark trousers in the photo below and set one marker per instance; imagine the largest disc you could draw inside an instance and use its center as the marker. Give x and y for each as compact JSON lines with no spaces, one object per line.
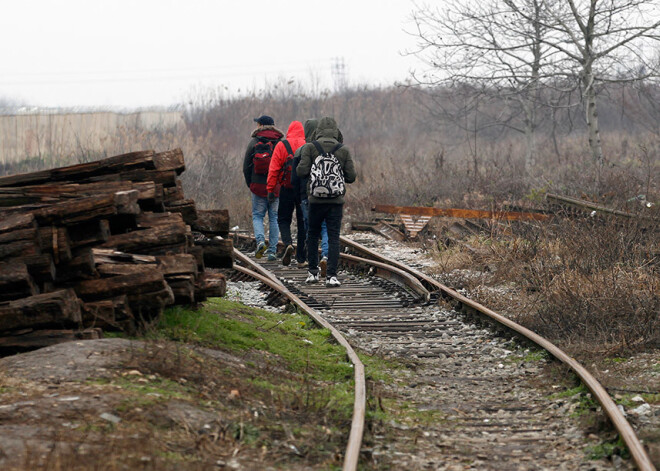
{"x":289,"y":203}
{"x":332,"y":215}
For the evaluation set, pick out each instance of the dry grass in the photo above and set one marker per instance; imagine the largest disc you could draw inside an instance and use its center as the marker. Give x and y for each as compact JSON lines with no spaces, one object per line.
{"x":583,"y":280}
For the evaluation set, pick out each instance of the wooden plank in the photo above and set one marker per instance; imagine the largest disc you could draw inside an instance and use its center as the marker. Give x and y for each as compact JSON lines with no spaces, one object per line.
{"x":174,"y":193}
{"x":460,"y":213}
{"x":30,"y":234}
{"x":17,"y":222}
{"x":152,"y":219}
{"x":40,"y":266}
{"x":198,"y":253}
{"x":170,"y":160}
{"x":19,"y":248}
{"x":55,"y":240}
{"x":218,"y":253}
{"x":114,"y":269}
{"x":92,"y":232}
{"x":389,"y":231}
{"x":141,"y":159}
{"x":15,"y":281}
{"x":77,"y":210}
{"x":115,"y":256}
{"x":186,"y":208}
{"x":109,"y":314}
{"x":183,"y":288}
{"x":56,"y":308}
{"x":126,"y":202}
{"x":182,"y":264}
{"x":166,"y":178}
{"x":212,"y":222}
{"x":212,"y":284}
{"x":147,"y":240}
{"x":146,"y":281}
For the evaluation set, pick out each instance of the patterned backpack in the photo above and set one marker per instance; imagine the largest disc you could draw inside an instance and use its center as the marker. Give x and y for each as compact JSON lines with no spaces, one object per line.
{"x":326,"y":177}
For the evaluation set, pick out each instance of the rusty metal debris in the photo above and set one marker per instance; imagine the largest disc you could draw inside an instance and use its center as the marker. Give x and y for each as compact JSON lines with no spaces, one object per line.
{"x":461,"y":213}
{"x":414,"y":226}
{"x":593,"y":208}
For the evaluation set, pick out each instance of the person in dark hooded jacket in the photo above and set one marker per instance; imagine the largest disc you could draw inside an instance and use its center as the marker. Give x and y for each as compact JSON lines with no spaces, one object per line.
{"x":328,"y":209}
{"x":256,"y":176}
{"x":300,"y":185}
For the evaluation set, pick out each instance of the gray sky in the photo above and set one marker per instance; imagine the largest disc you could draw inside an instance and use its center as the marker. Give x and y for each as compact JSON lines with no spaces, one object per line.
{"x":158,"y":52}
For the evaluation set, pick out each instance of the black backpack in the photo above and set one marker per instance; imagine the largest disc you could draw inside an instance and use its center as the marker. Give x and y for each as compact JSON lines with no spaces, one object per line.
{"x":326,"y":177}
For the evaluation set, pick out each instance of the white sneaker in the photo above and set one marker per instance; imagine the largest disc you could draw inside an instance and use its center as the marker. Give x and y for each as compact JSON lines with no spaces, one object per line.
{"x":312,"y":278}
{"x":332,"y":282}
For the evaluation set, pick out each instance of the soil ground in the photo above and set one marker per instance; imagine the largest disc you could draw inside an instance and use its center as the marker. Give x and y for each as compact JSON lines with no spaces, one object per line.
{"x":162,"y":404}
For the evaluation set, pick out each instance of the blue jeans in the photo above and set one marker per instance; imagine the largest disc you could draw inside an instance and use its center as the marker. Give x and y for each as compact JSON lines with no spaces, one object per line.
{"x":324,"y":228}
{"x":259,"y":207}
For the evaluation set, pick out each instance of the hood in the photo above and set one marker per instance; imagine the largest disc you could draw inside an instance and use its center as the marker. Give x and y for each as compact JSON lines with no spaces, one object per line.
{"x":270,"y":132}
{"x":295,"y":131}
{"x":327,"y":128}
{"x":310,"y":129}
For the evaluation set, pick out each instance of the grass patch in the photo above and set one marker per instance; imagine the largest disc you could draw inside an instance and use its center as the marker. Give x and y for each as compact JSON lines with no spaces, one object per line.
{"x":528,"y":356}
{"x":585,"y":404}
{"x":231,"y":326}
{"x":626,"y":399}
{"x":609,"y":449}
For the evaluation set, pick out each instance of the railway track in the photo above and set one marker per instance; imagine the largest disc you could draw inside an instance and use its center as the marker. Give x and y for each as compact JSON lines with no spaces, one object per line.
{"x":493,"y":408}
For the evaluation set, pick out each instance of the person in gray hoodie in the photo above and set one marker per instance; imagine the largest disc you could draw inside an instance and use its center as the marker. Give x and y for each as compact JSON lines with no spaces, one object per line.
{"x":328,"y":209}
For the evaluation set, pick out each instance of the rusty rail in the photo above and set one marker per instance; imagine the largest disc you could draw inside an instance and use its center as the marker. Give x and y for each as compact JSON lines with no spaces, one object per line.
{"x":393,"y":274}
{"x":354,"y":444}
{"x":588,"y":205}
{"x":639,"y":455}
{"x":460,"y":213}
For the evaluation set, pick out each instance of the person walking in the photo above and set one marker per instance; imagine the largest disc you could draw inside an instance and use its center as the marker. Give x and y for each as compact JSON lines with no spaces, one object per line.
{"x":301,"y":186}
{"x":256,"y":163}
{"x":280,"y":175}
{"x":328,"y":164}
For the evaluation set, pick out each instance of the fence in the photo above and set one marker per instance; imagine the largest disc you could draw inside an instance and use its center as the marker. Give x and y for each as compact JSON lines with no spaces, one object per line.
{"x":55,"y":135}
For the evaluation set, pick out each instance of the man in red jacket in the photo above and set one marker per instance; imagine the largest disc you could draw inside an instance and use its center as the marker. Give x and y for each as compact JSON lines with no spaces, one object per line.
{"x":279,"y":175}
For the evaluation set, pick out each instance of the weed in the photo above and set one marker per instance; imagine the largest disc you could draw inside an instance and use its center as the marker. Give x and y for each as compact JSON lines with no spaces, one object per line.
{"x":609,"y":449}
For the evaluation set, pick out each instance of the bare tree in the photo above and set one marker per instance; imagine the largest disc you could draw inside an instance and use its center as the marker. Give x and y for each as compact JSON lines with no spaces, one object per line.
{"x":496,"y":51}
{"x":602,"y":41}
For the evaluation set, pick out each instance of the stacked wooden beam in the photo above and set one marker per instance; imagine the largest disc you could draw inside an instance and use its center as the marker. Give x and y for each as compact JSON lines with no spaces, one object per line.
{"x":105,"y":244}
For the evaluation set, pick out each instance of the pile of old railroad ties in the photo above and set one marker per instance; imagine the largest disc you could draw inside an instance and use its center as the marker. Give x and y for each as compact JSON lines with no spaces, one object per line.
{"x":103,"y":245}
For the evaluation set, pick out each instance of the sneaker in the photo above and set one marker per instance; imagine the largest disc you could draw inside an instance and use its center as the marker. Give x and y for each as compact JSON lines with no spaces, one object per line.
{"x":261,"y":248}
{"x":303,"y":264}
{"x":332,"y":282}
{"x":323,"y":265}
{"x":272,"y":257}
{"x":312,"y":278}
{"x":286,"y":259}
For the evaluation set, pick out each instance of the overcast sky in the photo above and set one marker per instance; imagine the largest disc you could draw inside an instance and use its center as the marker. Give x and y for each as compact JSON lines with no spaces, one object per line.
{"x":139,"y":53}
